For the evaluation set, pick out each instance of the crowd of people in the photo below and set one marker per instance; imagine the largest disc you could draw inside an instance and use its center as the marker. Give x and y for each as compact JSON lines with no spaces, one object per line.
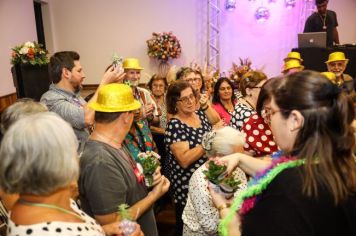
{"x":287,"y":143}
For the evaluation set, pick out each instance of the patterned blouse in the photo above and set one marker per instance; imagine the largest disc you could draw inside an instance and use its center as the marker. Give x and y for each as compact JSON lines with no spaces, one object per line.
{"x":200,"y":217}
{"x":240,"y":115}
{"x":259,"y":138}
{"x":88,"y":227}
{"x":178,"y":131}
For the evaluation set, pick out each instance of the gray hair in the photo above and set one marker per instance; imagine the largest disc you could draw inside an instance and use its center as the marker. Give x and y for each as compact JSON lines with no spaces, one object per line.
{"x":21,"y":108}
{"x":222,"y":141}
{"x":38,"y":155}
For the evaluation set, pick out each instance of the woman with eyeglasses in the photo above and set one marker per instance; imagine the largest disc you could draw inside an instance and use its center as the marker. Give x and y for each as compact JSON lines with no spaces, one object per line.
{"x":195,"y":78}
{"x":224,"y":99}
{"x":183,"y":138}
{"x":250,"y":86}
{"x":259,"y":138}
{"x":311,"y":189}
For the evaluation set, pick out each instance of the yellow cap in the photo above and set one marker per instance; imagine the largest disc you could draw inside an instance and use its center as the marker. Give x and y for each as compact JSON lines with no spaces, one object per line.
{"x":132,"y":63}
{"x":330,"y":75}
{"x":292,"y":64}
{"x":293,"y":55}
{"x":115,"y":98}
{"x":336,"y":56}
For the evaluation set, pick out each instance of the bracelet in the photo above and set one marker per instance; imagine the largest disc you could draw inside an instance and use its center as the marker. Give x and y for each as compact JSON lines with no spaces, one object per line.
{"x":223,"y":206}
{"x":205,"y":108}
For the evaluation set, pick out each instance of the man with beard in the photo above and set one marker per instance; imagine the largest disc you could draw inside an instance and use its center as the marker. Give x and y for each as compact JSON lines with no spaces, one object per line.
{"x":63,"y":96}
{"x":323,"y":21}
{"x":336,"y":64}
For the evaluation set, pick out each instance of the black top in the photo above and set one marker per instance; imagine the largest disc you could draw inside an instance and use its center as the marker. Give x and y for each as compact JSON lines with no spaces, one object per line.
{"x":283,"y":210}
{"x":315,"y":23}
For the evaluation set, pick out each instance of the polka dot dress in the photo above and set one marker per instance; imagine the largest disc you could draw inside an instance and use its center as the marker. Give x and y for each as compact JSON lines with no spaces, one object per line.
{"x":89,"y":227}
{"x":240,"y":115}
{"x":259,"y":138}
{"x":178,"y":131}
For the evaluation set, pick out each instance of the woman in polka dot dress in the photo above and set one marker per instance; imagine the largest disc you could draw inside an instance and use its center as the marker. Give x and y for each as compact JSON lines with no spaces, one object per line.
{"x":183,"y":137}
{"x":250,"y":86}
{"x":43,"y":177}
{"x":259,"y":139}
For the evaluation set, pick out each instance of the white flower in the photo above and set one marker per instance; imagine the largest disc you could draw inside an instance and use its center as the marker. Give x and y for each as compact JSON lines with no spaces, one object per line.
{"x":29,"y":44}
{"x":23,"y":50}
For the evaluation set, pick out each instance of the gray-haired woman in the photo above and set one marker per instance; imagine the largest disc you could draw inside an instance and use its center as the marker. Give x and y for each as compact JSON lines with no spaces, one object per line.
{"x":200,"y":216}
{"x":38,"y":161}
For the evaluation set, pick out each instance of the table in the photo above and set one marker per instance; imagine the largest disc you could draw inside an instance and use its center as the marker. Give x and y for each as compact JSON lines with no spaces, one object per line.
{"x":314,"y":58}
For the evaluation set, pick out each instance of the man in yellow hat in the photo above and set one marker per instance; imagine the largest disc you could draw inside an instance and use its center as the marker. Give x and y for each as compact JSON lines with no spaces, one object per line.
{"x":109,"y":174}
{"x":293,"y":56}
{"x":323,"y":21}
{"x":336,"y":64}
{"x":63,"y":96}
{"x":132,"y":70}
{"x":139,"y":139}
{"x":292,"y":66}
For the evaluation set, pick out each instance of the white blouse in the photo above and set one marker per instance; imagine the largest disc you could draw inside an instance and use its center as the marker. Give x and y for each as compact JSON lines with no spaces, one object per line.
{"x":200,"y":216}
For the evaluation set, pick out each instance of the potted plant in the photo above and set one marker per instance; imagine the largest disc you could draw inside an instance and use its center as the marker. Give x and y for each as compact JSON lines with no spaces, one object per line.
{"x":127,"y":224}
{"x":149,"y":162}
{"x":30,"y":70}
{"x":217,"y":176}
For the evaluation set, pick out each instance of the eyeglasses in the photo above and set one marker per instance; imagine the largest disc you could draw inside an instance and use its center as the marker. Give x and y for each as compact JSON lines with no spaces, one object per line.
{"x":187,"y":99}
{"x":257,"y":87}
{"x":267,"y":114}
{"x":193,"y":80}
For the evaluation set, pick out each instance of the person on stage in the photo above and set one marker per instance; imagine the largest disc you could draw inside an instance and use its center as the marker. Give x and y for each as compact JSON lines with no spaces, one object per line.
{"x":323,"y":21}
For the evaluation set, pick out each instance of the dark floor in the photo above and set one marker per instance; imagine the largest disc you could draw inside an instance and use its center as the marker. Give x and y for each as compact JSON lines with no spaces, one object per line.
{"x":165,"y":217}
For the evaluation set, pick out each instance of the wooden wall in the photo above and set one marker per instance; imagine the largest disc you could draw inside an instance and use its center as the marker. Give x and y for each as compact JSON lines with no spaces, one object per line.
{"x":7,"y":100}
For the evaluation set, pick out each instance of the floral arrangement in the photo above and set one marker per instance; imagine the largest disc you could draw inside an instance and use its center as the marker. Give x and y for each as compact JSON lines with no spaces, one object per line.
{"x":149,"y":161}
{"x":29,"y":53}
{"x":127,"y":224}
{"x":237,"y":71}
{"x":217,"y":176}
{"x":163,"y":46}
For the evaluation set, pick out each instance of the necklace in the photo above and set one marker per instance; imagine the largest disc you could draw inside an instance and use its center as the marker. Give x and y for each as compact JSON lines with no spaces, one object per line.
{"x":51,"y":206}
{"x":323,"y":20}
{"x":246,"y":200}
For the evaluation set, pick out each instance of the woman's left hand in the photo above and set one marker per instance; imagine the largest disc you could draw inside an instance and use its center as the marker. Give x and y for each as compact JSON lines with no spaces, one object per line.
{"x":204,"y":99}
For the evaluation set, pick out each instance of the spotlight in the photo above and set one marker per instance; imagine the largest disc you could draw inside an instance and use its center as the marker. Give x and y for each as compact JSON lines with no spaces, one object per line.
{"x":230,"y":5}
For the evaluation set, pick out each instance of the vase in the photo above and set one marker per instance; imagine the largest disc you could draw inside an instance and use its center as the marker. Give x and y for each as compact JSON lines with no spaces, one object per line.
{"x":163,"y":69}
{"x":227,"y":193}
{"x":30,"y":81}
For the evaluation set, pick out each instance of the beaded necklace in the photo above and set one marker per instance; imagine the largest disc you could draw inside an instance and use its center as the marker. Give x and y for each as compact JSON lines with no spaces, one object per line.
{"x":248,"y":198}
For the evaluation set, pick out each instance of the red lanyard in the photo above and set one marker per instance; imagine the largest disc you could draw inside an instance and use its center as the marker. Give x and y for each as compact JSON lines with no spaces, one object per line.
{"x":138,"y":173}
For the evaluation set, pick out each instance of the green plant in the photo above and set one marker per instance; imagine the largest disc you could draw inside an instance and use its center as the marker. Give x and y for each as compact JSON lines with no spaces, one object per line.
{"x":230,"y":183}
{"x":149,"y":161}
{"x":127,"y":224}
{"x":216,"y":171}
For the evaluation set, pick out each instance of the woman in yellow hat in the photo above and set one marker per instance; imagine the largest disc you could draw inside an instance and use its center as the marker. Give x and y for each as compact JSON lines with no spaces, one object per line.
{"x":337,"y":63}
